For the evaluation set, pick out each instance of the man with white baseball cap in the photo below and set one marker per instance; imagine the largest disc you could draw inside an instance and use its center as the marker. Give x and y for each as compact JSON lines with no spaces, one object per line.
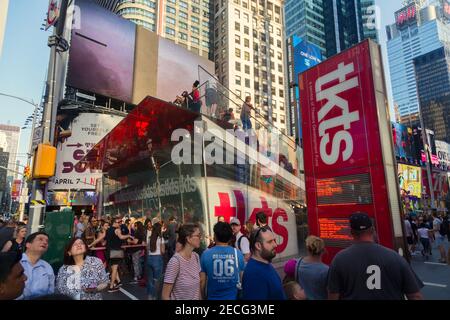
{"x":242,"y":243}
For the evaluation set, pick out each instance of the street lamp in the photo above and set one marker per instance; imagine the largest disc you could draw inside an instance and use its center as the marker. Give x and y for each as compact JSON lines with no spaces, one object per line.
{"x":35,"y":112}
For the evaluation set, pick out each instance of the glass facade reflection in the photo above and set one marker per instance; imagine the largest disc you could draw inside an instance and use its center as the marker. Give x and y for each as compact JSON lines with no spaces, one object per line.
{"x":142,"y":174}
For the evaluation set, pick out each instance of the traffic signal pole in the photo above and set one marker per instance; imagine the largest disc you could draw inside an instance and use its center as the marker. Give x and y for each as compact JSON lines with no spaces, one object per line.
{"x":58,"y":45}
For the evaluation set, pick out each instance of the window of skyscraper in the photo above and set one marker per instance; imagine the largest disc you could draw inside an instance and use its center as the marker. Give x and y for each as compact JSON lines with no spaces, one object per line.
{"x":237,"y":52}
{"x":183,"y":36}
{"x":247,"y":56}
{"x":237,"y":39}
{"x":237,"y":66}
{"x":195,"y":20}
{"x":238,"y":80}
{"x":182,"y":25}
{"x":247,"y":69}
{"x":246,"y":18}
{"x":183,"y":15}
{"x":246,"y":30}
{"x":237,"y":14}
{"x":195,"y":40}
{"x":170,"y":31}
{"x":195,"y":9}
{"x":183,"y":5}
{"x":247,"y":83}
{"x":237,"y":26}
{"x":171,"y":10}
{"x":170,"y":20}
{"x":195,"y":30}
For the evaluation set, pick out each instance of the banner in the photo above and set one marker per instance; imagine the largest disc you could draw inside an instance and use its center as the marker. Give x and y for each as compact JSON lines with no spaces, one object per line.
{"x":85,"y":132}
{"x":15,"y":189}
{"x":410,"y":180}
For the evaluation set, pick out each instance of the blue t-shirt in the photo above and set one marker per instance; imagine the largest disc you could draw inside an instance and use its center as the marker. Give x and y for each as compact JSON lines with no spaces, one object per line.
{"x":219,"y":264}
{"x":261,"y":282}
{"x":313,"y":278}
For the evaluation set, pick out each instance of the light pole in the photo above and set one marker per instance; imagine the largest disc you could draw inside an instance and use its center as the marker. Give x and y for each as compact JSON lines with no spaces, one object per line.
{"x":30,"y":151}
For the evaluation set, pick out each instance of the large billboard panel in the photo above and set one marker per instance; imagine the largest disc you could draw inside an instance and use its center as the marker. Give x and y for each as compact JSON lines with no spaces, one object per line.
{"x":102,"y":52}
{"x":410,"y":180}
{"x":305,"y":55}
{"x":15,"y":189}
{"x":348,"y":148}
{"x":403,"y":142}
{"x":86,"y":130}
{"x":443,"y":154}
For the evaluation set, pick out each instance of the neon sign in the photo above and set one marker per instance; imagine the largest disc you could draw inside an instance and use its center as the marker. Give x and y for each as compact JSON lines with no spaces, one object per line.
{"x":405,"y":15}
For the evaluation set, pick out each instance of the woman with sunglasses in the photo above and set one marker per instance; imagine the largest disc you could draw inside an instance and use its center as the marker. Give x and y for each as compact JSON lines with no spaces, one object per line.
{"x":182,"y":278}
{"x":81,"y":277}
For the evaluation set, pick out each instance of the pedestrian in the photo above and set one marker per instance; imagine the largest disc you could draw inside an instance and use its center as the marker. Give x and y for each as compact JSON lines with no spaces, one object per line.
{"x":241,"y":242}
{"x":6,"y":235}
{"x":114,"y":252}
{"x":440,"y":228}
{"x":18,"y":241}
{"x":424,"y":236}
{"x":136,"y":253}
{"x":248,"y":228}
{"x":260,"y":280}
{"x":80,"y":226}
{"x":294,"y":291}
{"x":195,"y":103}
{"x":246,"y":113}
{"x":81,"y":277}
{"x":89,"y":232}
{"x":261,"y":220}
{"x":222,"y":267}
{"x":409,"y":233}
{"x":156,"y":250}
{"x":12,"y":276}
{"x":311,"y":273}
{"x":182,"y":278}
{"x":172,"y":230}
{"x":40,"y":276}
{"x":369,"y":271}
{"x":100,"y":241}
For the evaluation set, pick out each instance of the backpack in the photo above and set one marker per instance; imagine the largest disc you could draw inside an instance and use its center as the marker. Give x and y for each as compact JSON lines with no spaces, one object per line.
{"x":444,"y":228}
{"x":239,"y":242}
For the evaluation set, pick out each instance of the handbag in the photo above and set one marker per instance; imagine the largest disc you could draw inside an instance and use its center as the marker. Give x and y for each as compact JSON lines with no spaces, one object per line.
{"x":116,"y":254}
{"x":238,"y":284}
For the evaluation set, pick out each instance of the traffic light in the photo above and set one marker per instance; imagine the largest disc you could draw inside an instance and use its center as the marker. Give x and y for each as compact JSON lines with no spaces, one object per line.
{"x":27,"y":172}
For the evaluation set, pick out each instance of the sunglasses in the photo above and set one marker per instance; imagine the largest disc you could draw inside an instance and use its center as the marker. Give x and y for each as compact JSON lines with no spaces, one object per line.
{"x":264,"y":229}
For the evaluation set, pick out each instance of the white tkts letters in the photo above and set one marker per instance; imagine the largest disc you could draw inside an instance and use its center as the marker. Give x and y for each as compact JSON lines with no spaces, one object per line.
{"x":374,"y":281}
{"x":345,"y":119}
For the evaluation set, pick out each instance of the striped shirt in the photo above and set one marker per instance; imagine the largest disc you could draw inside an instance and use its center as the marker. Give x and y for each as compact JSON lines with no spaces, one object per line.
{"x":185,"y":277}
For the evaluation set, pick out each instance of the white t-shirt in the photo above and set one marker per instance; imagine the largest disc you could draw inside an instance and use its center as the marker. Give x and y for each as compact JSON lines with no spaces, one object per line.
{"x":158,"y":247}
{"x":245,"y":245}
{"x":408,"y":228}
{"x":423,"y":232}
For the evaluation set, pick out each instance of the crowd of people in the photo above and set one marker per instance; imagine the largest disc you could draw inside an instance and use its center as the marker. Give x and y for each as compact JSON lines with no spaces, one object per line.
{"x":236,"y":265}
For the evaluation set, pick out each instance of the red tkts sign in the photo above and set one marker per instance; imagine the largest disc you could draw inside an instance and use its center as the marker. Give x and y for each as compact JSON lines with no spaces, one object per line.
{"x":348,"y":157}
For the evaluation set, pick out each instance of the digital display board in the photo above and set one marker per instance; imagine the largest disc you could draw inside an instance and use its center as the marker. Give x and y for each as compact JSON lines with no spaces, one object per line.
{"x":344,"y":190}
{"x":410,"y":179}
{"x":348,"y":147}
{"x":406,"y":14}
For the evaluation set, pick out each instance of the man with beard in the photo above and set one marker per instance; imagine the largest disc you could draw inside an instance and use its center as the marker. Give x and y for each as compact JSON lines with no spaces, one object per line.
{"x":260,"y":280}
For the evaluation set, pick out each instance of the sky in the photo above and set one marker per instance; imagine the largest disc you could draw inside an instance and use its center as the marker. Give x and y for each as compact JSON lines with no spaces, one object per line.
{"x":24,"y":60}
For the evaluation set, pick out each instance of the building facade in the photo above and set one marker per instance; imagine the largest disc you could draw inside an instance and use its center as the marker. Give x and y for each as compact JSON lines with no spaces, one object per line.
{"x":417,"y":31}
{"x":188,"y":23}
{"x":4,"y":160}
{"x":433,"y":85}
{"x":249,"y":53}
{"x":9,"y":142}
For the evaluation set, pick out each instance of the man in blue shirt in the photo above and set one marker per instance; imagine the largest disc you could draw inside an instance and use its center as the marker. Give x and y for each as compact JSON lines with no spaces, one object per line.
{"x":40,"y":276}
{"x":222,"y":266}
{"x":260,"y":280}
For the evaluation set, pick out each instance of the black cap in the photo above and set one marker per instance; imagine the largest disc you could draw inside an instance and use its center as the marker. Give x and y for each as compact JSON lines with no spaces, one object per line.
{"x":360,"y":221}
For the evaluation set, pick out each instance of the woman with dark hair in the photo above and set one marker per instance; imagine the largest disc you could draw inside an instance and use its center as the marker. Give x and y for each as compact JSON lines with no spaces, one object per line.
{"x":139,"y":238}
{"x":81,"y":277}
{"x":156,"y":250}
{"x":182,"y":278}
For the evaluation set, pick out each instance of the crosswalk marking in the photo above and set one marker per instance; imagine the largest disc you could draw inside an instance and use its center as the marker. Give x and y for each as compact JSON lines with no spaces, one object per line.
{"x":435,"y":284}
{"x":437,"y":263}
{"x":129,"y":295}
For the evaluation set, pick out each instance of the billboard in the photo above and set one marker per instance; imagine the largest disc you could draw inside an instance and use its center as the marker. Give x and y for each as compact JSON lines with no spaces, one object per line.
{"x":101,"y":56}
{"x":348,"y":148}
{"x":403,"y":142}
{"x":116,"y":58}
{"x":305,"y":56}
{"x":85,"y":131}
{"x":15,"y":189}
{"x":406,"y":14}
{"x":410,"y":180}
{"x":443,"y":154}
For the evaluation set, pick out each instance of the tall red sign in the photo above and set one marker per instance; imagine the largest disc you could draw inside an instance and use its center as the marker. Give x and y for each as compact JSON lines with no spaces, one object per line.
{"x":348,"y":154}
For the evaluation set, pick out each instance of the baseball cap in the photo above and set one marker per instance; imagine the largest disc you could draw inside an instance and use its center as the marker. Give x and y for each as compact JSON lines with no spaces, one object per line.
{"x":289,"y":268}
{"x":360,"y":221}
{"x":235,"y":221}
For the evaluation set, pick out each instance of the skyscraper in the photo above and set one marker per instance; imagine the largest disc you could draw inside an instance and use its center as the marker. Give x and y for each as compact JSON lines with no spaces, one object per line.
{"x":9,"y":142}
{"x":417,"y":31}
{"x":433,"y":85}
{"x":333,"y":25}
{"x":188,"y":23}
{"x":249,"y":50}
{"x":3,"y":15}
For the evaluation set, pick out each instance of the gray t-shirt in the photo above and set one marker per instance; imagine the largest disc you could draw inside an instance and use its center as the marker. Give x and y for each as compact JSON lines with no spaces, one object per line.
{"x":368,"y":271}
{"x":313,"y":277}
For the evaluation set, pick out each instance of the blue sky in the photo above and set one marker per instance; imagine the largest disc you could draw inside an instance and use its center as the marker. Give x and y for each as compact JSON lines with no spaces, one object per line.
{"x":23,"y":64}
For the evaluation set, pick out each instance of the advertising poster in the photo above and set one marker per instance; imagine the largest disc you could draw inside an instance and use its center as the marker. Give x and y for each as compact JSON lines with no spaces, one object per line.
{"x":102,"y":52}
{"x":410,"y":180}
{"x":15,"y":190}
{"x":443,"y":154}
{"x":86,"y":131}
{"x":403,"y":142}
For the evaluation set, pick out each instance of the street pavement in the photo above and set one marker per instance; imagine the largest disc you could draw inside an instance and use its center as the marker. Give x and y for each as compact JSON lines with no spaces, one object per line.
{"x":434,"y":275}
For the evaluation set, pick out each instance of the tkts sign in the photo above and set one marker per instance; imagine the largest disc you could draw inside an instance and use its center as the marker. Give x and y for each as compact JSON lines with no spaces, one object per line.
{"x":348,"y":149}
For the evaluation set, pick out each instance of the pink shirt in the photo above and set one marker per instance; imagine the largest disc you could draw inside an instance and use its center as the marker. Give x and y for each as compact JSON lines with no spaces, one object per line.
{"x":185,"y":277}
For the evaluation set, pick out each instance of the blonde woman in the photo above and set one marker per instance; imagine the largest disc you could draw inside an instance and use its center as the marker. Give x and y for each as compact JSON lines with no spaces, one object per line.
{"x":311,"y":273}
